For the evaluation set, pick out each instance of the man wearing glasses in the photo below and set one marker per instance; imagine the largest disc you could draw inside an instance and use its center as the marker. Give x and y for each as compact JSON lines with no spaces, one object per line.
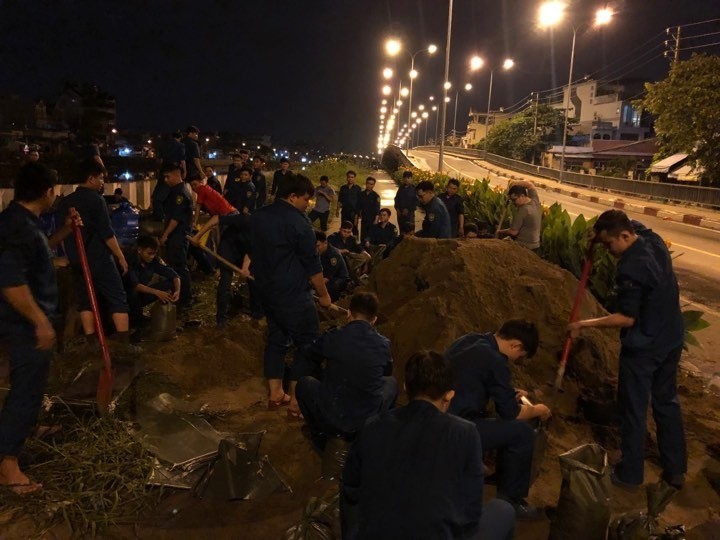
{"x":482,"y":374}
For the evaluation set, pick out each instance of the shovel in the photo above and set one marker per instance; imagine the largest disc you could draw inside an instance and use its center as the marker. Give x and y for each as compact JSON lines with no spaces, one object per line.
{"x":579,"y":294}
{"x":502,"y":218}
{"x":105,"y":384}
{"x":219,"y":258}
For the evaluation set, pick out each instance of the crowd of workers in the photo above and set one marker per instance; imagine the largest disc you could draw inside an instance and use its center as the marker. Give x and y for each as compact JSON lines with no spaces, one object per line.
{"x":412,"y":472}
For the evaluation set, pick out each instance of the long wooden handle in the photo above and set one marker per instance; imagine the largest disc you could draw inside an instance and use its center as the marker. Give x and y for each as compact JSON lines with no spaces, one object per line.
{"x":502,"y":219}
{"x":219,"y":258}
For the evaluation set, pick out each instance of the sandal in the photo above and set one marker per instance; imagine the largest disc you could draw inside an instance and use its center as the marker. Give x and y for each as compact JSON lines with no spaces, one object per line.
{"x":274,"y":405}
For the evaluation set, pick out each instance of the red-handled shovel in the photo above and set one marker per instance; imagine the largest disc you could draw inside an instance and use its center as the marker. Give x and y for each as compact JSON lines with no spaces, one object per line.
{"x":105,"y":384}
{"x":579,"y":294}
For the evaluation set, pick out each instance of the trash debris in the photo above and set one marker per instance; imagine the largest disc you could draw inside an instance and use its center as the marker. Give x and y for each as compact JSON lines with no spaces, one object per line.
{"x":320,"y":521}
{"x":641,"y":525}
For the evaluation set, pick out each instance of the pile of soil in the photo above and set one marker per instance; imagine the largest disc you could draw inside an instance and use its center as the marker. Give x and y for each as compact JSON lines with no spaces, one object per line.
{"x":431,"y":292}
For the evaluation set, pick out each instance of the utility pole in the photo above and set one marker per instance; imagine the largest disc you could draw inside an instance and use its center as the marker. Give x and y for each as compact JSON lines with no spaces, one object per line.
{"x":537,"y":99}
{"x":672,"y":45}
{"x":445,"y":90}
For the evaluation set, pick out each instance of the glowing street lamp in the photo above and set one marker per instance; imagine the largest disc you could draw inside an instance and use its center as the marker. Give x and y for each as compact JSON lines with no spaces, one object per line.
{"x":413,"y":74}
{"x":447,"y":85}
{"x":476,"y":63}
{"x":392,"y":47}
{"x":551,"y":14}
{"x":468,"y":87}
{"x":404,"y":92}
{"x":387,"y":73}
{"x":386,"y":90}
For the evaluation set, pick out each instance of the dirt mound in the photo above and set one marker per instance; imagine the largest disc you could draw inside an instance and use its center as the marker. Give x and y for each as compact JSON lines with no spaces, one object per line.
{"x":432,"y":292}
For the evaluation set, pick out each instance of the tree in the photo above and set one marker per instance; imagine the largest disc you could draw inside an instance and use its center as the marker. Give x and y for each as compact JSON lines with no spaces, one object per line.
{"x":686,"y":106}
{"x":514,"y":138}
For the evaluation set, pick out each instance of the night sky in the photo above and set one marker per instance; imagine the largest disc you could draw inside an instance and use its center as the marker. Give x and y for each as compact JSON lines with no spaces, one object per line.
{"x":309,"y":70}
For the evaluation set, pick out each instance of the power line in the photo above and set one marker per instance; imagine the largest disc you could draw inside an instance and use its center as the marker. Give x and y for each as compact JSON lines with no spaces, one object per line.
{"x":699,"y":46}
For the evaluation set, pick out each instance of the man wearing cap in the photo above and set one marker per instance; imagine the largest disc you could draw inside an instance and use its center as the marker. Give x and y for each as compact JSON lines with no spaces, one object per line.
{"x":280,"y":176}
{"x":192,"y":154}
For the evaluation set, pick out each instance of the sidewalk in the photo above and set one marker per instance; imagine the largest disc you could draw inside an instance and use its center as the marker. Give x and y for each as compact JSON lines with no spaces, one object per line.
{"x":700,"y":217}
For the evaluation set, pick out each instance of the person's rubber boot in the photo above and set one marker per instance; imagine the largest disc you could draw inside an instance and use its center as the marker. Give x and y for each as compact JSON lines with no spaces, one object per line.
{"x":675,"y":480}
{"x":121,"y":345}
{"x":92,"y":345}
{"x":524,"y":511}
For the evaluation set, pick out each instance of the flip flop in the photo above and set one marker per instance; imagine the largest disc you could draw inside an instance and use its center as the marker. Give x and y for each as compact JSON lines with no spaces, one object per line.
{"x":23,"y":490}
{"x":274,"y":405}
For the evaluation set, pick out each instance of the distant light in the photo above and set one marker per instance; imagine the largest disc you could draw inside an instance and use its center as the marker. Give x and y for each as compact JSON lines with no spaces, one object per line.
{"x":384,"y":102}
{"x":149,"y":141}
{"x":113,"y":130}
{"x":125,"y":151}
{"x":127,"y":176}
{"x":432,"y":49}
{"x":392,"y":47}
{"x":243,"y":144}
{"x":258,"y":147}
{"x":387,"y":73}
{"x":447,"y":85}
{"x":413,"y":74}
{"x":432,"y":98}
{"x":508,"y":63}
{"x":212,"y":155}
{"x":386,"y":90}
{"x":476,"y":63}
{"x":551,"y":13}
{"x":468,"y":87}
{"x":434,"y":108}
{"x":303,"y":159}
{"x":603,"y":16}
{"x":447,"y":99}
{"x":404,"y":92}
{"x":207,"y":139}
{"x":399,"y":102}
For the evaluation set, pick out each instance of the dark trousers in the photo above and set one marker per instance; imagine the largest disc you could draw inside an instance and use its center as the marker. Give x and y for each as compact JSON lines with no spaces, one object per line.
{"x":138,"y":300}
{"x":176,"y":253}
{"x":322,"y":216}
{"x":29,"y":369}
{"x":410,"y":217}
{"x":336,"y":288}
{"x":641,"y":377}
{"x":292,"y":323}
{"x":514,"y":442}
{"x":229,"y":249}
{"x":365,"y":224}
{"x":317,"y":419}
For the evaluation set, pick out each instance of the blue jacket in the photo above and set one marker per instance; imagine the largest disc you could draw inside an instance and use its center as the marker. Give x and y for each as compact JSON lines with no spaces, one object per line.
{"x":437,"y":220}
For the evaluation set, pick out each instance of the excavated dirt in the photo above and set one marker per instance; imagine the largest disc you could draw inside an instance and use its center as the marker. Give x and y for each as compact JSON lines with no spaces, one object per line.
{"x":431,"y":292}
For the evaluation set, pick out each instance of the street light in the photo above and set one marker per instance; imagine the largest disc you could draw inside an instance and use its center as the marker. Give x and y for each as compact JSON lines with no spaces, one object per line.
{"x":425,"y":117}
{"x":476,"y":63}
{"x":549,"y":15}
{"x":392,"y":47}
{"x":386,"y":90}
{"x":387,"y":73}
{"x":507,"y":65}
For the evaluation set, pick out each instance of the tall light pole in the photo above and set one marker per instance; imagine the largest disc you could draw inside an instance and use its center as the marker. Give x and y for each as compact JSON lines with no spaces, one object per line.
{"x":425,"y":120}
{"x":468,"y":87}
{"x":445,"y":87}
{"x":507,"y":64}
{"x":437,"y":115}
{"x":551,"y":14}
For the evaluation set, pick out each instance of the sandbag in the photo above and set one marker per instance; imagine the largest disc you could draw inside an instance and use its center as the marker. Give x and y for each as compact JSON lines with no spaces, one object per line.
{"x":320,"y":521}
{"x":641,"y":525}
{"x":333,"y":457}
{"x":584,"y":507}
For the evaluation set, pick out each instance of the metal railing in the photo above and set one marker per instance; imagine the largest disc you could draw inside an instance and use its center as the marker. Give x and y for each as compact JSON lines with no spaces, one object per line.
{"x":705,"y":196}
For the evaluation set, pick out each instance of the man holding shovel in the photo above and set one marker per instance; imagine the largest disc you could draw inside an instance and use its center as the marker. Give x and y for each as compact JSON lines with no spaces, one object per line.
{"x":28,"y":304}
{"x":651,"y":334}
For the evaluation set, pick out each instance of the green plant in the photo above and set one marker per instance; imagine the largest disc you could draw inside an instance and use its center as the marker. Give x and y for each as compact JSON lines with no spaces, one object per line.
{"x":484,"y":203}
{"x":693,"y":323}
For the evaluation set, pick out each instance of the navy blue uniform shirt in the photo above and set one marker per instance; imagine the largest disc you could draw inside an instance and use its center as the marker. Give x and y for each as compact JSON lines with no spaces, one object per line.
{"x":455,"y":207}
{"x":260,"y":183}
{"x":334,"y":267}
{"x":279,"y":178}
{"x":141,"y":273}
{"x":357,"y":358}
{"x":406,"y":198}
{"x":241,"y":194}
{"x":192,"y":151}
{"x":380,"y":234}
{"x":284,"y":252}
{"x":350,"y":243}
{"x":179,"y":206}
{"x":416,"y":473}
{"x":173,"y":151}
{"x":369,"y":205}
{"x":437,"y":220}
{"x":96,"y":229}
{"x":647,"y":290}
{"x":25,"y":259}
{"x":481,"y":374}
{"x":349,"y":197}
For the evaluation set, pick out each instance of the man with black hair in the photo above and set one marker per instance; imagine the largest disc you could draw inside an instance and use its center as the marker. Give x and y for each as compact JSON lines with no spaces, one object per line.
{"x":652,"y":332}
{"x":178,"y":212}
{"x":349,"y":201}
{"x":28,"y":306}
{"x":357,"y":380}
{"x":194,"y":168}
{"x":526,"y":223}
{"x":482,"y":374}
{"x":241,"y":191}
{"x":416,"y":473}
{"x":149,"y":278}
{"x":324,"y":195}
{"x":406,"y":200}
{"x":280,"y":176}
{"x":259,"y":181}
{"x":437,"y":220}
{"x":382,"y":234}
{"x":368,"y":208}
{"x":212,"y":179}
{"x":172,"y":151}
{"x":455,"y":207}
{"x":337,"y":278}
{"x":233,"y":168}
{"x":285,"y":264}
{"x":346,"y":243}
{"x":103,"y":251}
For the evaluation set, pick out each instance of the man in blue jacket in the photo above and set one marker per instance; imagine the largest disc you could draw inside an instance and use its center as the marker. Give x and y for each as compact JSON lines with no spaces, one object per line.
{"x":437,"y":219}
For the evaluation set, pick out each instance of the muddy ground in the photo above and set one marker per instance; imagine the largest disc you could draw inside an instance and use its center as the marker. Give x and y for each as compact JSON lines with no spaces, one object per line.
{"x":431,"y":292}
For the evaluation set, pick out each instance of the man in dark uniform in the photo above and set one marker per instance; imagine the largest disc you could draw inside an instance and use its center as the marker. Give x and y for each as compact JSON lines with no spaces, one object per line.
{"x":173,"y":151}
{"x":149,"y":279}
{"x":212,"y":179}
{"x":335,"y":272}
{"x":357,"y":381}
{"x":234,"y":168}
{"x":349,"y":201}
{"x":368,"y":208}
{"x":192,"y":155}
{"x":455,"y":207}
{"x":259,"y":181}
{"x":346,"y":243}
{"x":406,"y":200}
{"x":416,"y":473}
{"x":103,"y":251}
{"x":482,"y":374}
{"x":285,"y":263}
{"x":280,"y":176}
{"x":382,"y":235}
{"x":652,"y":333}
{"x":241,"y":192}
{"x":28,"y":305}
{"x":437,"y":220}
{"x":178,"y":212}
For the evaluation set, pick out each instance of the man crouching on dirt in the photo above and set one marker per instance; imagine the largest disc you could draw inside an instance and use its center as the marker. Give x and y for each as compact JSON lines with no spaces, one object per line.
{"x":28,"y":303}
{"x":285,"y":265}
{"x":652,"y":333}
{"x":482,"y":374}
